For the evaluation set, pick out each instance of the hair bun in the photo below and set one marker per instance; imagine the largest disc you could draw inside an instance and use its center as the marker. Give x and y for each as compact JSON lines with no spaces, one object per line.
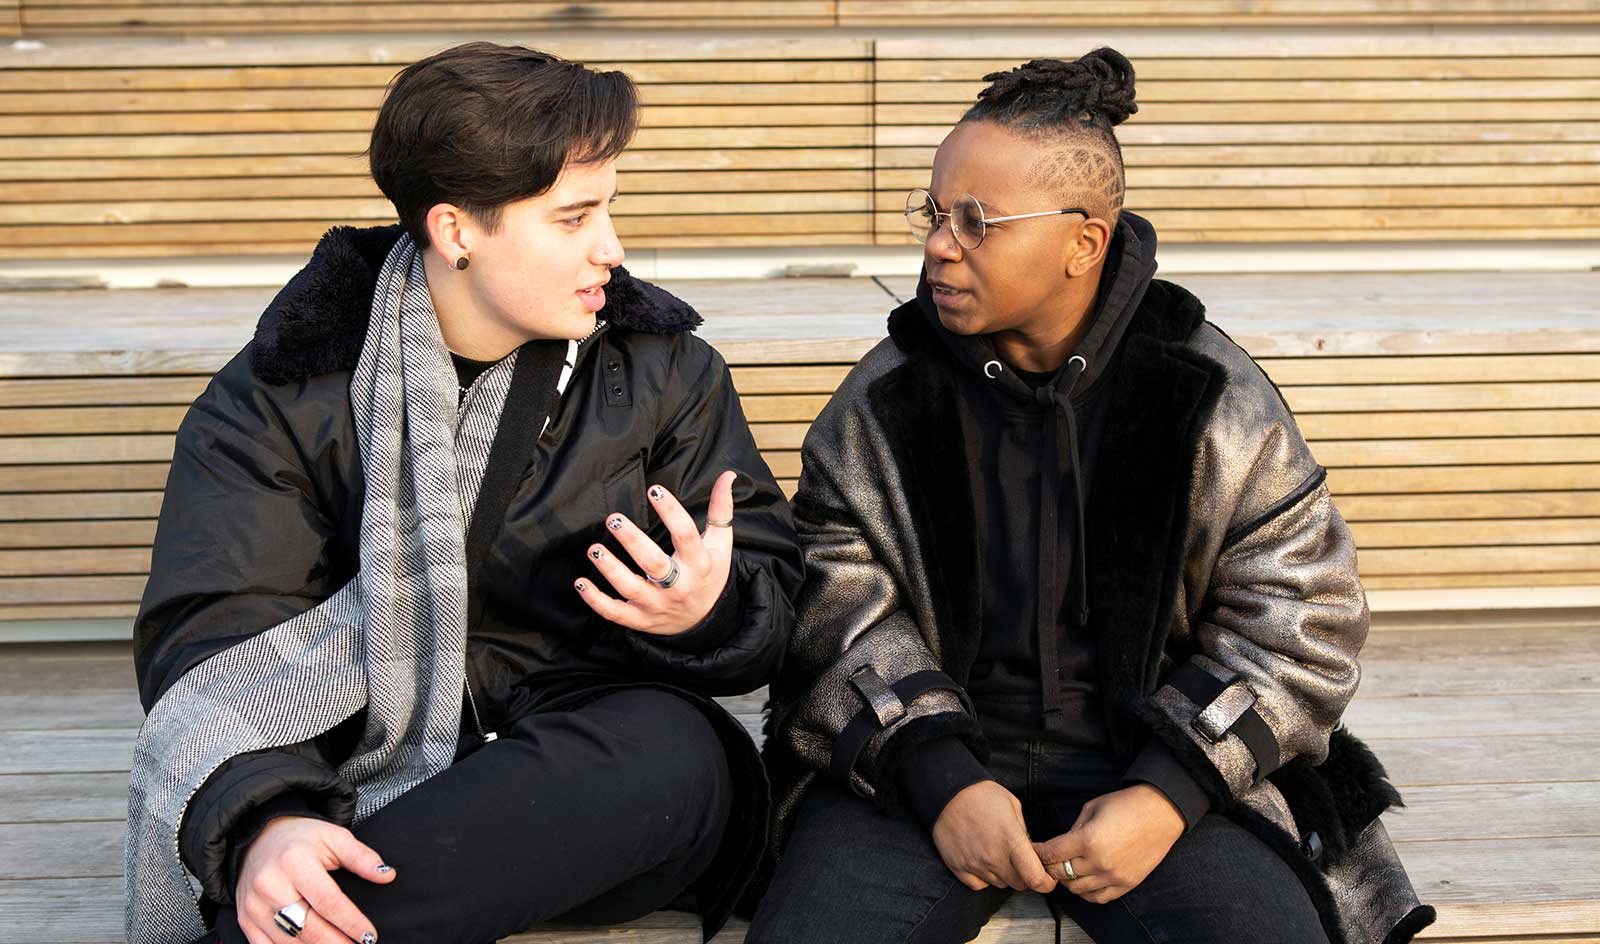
{"x":1110,"y":91}
{"x":1099,"y":85}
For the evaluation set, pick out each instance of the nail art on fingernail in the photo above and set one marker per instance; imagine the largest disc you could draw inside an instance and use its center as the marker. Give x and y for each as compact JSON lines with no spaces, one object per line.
{"x":595,"y":553}
{"x":655,"y":492}
{"x":580,"y":585}
{"x":615,"y":524}
{"x":367,"y":937}
{"x":384,"y":869}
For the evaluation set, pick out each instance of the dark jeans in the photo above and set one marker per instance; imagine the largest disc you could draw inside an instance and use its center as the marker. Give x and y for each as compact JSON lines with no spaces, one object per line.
{"x":596,"y":815}
{"x":852,"y":874}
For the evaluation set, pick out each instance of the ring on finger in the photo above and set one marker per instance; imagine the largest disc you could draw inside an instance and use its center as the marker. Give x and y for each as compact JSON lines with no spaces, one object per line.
{"x":291,"y":918}
{"x":720,"y":522}
{"x":1066,"y":869}
{"x":670,"y":578}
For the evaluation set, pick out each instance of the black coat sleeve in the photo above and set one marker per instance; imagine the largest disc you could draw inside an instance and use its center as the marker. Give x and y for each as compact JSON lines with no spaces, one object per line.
{"x":245,"y":539}
{"x":702,"y":432}
{"x":244,"y":542}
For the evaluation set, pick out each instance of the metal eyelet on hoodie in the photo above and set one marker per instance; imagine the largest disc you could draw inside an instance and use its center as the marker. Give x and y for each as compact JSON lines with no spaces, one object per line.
{"x":998,"y":367}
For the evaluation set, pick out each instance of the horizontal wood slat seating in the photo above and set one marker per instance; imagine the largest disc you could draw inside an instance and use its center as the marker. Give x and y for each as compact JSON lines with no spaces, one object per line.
{"x":1465,"y":723}
{"x":948,"y":13}
{"x":89,"y":17}
{"x":1311,"y":137}
{"x":159,"y":148}
{"x":1462,"y":446}
{"x":134,"y":149}
{"x":95,"y":17}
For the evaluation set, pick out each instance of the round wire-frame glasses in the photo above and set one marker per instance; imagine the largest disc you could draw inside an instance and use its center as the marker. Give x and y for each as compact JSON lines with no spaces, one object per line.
{"x":967,"y":220}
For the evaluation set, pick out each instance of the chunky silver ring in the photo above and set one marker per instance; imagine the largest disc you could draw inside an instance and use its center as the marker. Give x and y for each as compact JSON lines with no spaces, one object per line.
{"x":1066,"y":869}
{"x":719,"y":523}
{"x":670,"y":578}
{"x":291,"y":918}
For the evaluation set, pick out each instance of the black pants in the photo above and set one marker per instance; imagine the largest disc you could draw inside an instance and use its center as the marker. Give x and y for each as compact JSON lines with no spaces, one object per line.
{"x":852,"y":874}
{"x":597,"y":815}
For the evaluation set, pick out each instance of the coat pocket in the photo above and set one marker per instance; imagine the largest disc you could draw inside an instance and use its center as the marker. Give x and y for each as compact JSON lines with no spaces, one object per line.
{"x":623,"y":489}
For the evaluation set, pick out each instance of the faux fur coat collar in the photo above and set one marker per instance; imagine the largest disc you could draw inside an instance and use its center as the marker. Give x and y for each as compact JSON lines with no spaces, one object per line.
{"x":317,"y":322}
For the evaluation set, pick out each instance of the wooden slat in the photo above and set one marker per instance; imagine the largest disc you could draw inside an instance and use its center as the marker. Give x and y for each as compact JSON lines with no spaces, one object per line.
{"x":58,"y":18}
{"x":90,"y":477}
{"x":1037,"y":13}
{"x":39,"y":534}
{"x":1469,"y":478}
{"x":33,"y":591}
{"x":1405,"y":507}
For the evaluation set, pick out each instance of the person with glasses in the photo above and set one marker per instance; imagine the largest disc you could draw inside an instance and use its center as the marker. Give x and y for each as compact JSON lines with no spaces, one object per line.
{"x":1079,"y":615}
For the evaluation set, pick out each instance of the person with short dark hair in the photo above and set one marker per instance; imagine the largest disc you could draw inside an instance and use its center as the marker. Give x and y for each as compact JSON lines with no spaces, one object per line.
{"x":451,"y":559}
{"x":1080,"y":616}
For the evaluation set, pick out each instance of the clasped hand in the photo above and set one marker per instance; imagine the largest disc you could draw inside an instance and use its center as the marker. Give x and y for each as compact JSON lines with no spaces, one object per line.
{"x":1116,"y":842}
{"x":700,"y":562}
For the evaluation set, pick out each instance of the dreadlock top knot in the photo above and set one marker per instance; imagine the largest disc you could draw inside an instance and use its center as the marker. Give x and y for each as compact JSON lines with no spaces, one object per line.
{"x":1096,"y":89}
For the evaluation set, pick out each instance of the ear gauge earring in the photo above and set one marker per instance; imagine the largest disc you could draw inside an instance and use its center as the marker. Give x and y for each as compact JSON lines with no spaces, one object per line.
{"x":463,"y":262}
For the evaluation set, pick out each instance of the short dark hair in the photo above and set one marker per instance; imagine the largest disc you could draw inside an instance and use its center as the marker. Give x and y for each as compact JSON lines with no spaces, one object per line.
{"x":1075,"y":106}
{"x":480,"y":125}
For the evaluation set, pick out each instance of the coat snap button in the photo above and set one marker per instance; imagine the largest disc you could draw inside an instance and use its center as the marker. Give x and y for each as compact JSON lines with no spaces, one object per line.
{"x":613,"y":366}
{"x":616,"y":391}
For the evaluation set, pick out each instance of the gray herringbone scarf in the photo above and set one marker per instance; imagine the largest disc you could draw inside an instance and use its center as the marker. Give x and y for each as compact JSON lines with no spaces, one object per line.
{"x":391,"y":640}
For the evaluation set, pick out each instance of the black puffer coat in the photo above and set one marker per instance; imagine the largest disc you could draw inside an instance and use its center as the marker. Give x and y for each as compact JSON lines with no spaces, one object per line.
{"x":263,"y":507}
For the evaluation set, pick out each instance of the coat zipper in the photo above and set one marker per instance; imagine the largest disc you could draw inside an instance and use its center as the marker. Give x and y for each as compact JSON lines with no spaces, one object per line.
{"x":477,"y":720}
{"x":466,"y":682}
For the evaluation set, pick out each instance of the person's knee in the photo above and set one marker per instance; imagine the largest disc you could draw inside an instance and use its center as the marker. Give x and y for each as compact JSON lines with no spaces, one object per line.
{"x":678,"y":753}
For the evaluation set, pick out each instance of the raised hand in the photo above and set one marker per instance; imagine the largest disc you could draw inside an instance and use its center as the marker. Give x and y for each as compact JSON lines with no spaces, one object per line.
{"x":669,"y":594}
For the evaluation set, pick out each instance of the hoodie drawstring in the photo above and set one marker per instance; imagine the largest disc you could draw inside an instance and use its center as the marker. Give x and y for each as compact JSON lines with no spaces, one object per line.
{"x":1049,"y":596}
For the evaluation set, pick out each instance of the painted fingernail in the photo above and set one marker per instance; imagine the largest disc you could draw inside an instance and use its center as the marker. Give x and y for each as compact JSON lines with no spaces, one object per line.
{"x":367,"y":937}
{"x":581,"y":586}
{"x":596,"y":553}
{"x":615,"y":523}
{"x":656,"y":492}
{"x":384,"y":869}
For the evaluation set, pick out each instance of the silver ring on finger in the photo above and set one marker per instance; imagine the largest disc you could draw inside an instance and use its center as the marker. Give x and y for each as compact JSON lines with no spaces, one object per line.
{"x":671,"y":577}
{"x":720,"y":522}
{"x":291,"y":918}
{"x":1066,"y":869}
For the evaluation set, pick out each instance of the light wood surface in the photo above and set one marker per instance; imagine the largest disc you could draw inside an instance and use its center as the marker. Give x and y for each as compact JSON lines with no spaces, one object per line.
{"x":1462,"y":446}
{"x":1488,"y":735}
{"x":139,"y":147}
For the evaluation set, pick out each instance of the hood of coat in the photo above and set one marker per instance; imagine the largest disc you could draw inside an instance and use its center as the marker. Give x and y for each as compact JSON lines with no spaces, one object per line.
{"x":1130,"y":266}
{"x":318,"y":321}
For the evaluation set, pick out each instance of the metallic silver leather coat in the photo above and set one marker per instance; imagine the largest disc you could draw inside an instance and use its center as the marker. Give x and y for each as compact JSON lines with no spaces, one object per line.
{"x":1264,"y":598}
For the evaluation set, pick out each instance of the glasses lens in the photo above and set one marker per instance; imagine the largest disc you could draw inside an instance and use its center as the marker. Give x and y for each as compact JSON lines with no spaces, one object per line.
{"x":966,"y":218}
{"x":920,"y":214}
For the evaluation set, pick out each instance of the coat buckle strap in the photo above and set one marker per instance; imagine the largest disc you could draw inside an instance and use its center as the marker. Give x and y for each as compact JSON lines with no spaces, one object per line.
{"x":885,"y":704}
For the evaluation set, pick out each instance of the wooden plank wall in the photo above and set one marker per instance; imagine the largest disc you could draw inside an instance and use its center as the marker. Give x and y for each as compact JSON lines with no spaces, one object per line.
{"x":1473,"y":470}
{"x":250,"y":146}
{"x":1307,"y":137}
{"x":10,"y":17}
{"x":955,"y":13}
{"x":91,"y":17}
{"x":254,"y":148}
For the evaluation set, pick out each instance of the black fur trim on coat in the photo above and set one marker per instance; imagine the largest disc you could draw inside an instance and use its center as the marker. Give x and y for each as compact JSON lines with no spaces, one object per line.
{"x":1340,"y":797}
{"x":318,"y":321}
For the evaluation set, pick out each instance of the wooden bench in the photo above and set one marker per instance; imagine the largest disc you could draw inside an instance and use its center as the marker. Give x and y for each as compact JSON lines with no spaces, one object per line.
{"x":1487,"y":725}
{"x":89,"y":17}
{"x":1462,"y":442}
{"x":166,"y":147}
{"x":1125,"y":13}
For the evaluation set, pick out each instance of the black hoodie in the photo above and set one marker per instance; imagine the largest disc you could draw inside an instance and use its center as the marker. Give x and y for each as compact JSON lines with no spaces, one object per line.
{"x":1036,"y":436}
